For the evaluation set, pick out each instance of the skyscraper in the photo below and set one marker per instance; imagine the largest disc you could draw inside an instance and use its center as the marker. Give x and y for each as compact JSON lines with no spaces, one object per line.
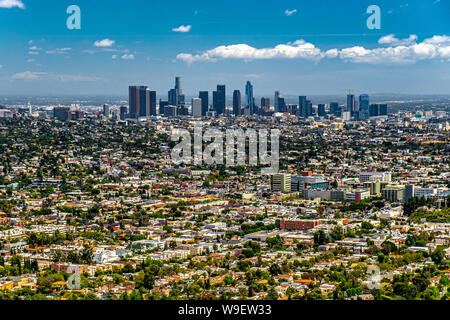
{"x":205,"y":103}
{"x":237,"y":102}
{"x":133,"y":92}
{"x":249,"y":97}
{"x":178,"y":86}
{"x":321,"y":110}
{"x":364,"y":102}
{"x":219,"y":99}
{"x":196,"y":107}
{"x":334,"y":109}
{"x":275,"y":101}
{"x":302,"y":106}
{"x":265,"y":103}
{"x":281,"y":105}
{"x":62,"y":113}
{"x":144,"y":101}
{"x":374,"y":110}
{"x":350,"y":103}
{"x":123,"y":112}
{"x":106,"y":111}
{"x":309,"y":109}
{"x":172,"y":97}
{"x":383,"y":110}
{"x":153,"y":103}
{"x":178,"y":91}
{"x":139,"y":100}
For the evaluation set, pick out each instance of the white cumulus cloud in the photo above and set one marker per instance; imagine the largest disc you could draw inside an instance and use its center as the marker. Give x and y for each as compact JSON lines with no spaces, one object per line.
{"x":392,"y":40}
{"x":11,"y":4}
{"x":400,"y":51}
{"x":128,"y":57}
{"x":298,"y":49}
{"x":290,"y":12}
{"x":104,"y":43}
{"x":391,"y":51}
{"x":182,"y":28}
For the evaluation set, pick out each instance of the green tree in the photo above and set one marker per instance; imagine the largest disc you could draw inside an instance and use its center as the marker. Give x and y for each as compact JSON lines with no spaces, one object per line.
{"x":337,"y":233}
{"x":438,"y":255}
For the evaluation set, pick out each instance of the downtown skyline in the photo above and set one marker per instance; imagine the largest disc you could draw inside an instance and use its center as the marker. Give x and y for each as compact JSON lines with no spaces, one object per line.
{"x":301,"y":47}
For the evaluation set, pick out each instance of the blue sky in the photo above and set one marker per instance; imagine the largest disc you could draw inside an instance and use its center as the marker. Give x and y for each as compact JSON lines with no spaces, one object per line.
{"x":298,"y":47}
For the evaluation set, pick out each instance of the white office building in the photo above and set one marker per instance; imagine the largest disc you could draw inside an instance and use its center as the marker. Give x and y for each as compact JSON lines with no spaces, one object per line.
{"x":196,"y":107}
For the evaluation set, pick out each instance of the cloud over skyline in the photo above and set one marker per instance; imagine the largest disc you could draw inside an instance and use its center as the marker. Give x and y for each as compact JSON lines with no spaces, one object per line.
{"x":399,"y":51}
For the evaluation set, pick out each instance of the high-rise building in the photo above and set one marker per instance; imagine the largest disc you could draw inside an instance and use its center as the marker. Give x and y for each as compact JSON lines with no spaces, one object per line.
{"x":302,"y":106}
{"x":346,"y":115}
{"x":214,"y":101}
{"x":106,"y":111}
{"x":178,"y":86}
{"x":373,"y":110}
{"x":219,"y":99}
{"x":139,"y":100}
{"x":152,"y":103}
{"x":383,"y":110}
{"x":280,"y":182}
{"x":170,"y":111}
{"x":182,"y":110}
{"x":309,"y":108}
{"x":275,"y":101}
{"x":196,"y":107}
{"x":78,"y":114}
{"x":62,"y":113}
{"x":409,"y":192}
{"x":249,"y":97}
{"x":265,"y":103}
{"x":123,"y":112}
{"x":364,"y":103}
{"x":351,"y":103}
{"x":334,"y":109}
{"x":237,"y":102}
{"x":281,"y":105}
{"x":321,"y":110}
{"x":144,"y":100}
{"x":162,"y":105}
{"x":134,"y":101}
{"x":203,"y":95}
{"x":172,"y":97}
{"x":178,"y":91}
{"x":393,"y":192}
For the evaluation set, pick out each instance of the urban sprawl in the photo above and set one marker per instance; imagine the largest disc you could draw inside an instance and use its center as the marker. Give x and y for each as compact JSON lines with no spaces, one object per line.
{"x":92,"y":205}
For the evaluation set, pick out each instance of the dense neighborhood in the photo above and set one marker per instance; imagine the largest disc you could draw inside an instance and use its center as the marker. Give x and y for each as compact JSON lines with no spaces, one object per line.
{"x":94,"y":208}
